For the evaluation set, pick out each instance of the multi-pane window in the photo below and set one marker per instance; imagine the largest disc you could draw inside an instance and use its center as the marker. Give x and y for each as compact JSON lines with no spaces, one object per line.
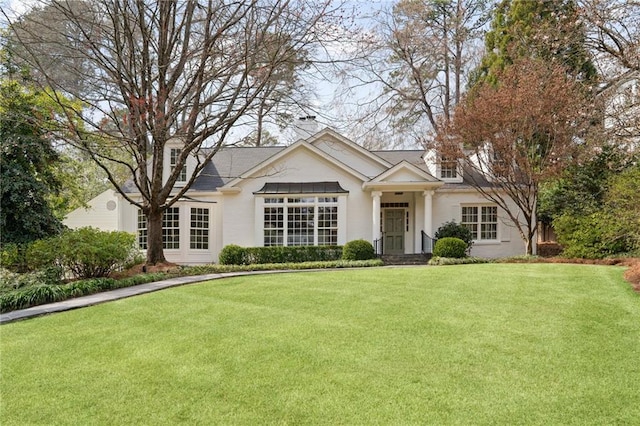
{"x":199,"y":232}
{"x":300,"y":226}
{"x":170,"y":229}
{"x":143,"y":232}
{"x":174,"y":155}
{"x":273,"y":226}
{"x":301,"y":221}
{"x":448,"y":168}
{"x":482,"y":221}
{"x":328,"y":226}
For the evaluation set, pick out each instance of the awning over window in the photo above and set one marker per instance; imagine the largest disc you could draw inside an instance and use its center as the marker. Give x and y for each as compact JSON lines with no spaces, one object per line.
{"x":301,"y":188}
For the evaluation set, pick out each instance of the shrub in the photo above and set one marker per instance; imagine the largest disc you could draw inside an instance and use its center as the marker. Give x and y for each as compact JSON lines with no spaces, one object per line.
{"x":85,"y":252}
{"x":443,"y":261}
{"x":12,"y":257}
{"x":232,"y":255}
{"x":450,"y":247}
{"x":358,"y":250}
{"x":455,"y":230}
{"x":236,"y":255}
{"x":588,"y":236}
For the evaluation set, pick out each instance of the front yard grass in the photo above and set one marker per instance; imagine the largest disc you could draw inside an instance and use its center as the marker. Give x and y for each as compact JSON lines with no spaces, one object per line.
{"x":473,"y":344}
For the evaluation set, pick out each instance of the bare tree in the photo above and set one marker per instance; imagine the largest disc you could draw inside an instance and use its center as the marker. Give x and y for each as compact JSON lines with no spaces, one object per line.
{"x":418,"y":61}
{"x":614,"y":37}
{"x":614,"y":30}
{"x":511,"y":136}
{"x":160,"y":71}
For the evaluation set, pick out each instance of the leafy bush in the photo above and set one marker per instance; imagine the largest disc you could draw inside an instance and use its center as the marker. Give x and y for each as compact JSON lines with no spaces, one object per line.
{"x":232,"y":254}
{"x":12,"y":257}
{"x":450,"y":247}
{"x":588,"y":236}
{"x":85,"y":252}
{"x":47,"y":276}
{"x":358,"y":250}
{"x":455,"y":230}
{"x":236,"y":255}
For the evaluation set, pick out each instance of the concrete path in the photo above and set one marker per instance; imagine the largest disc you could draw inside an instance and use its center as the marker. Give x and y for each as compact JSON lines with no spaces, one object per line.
{"x":121,"y":293}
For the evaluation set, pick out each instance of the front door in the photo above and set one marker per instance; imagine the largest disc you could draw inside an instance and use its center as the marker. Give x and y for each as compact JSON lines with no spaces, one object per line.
{"x":393,"y":231}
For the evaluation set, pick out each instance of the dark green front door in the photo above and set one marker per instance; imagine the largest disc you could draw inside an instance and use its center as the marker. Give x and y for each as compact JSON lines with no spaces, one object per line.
{"x":393,"y":231}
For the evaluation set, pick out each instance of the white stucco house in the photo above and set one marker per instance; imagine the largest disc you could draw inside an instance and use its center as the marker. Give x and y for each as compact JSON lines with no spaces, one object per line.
{"x":322,"y":190}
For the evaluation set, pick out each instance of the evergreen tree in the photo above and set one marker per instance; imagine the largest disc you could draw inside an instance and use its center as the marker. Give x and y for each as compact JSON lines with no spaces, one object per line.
{"x":27,"y":164}
{"x":550,"y":30}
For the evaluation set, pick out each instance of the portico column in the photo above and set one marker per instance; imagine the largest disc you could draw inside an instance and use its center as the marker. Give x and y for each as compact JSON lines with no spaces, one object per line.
{"x":375,"y":231}
{"x":428,"y":212}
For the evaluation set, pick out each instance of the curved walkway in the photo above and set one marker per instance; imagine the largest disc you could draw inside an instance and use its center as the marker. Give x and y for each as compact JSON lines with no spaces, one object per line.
{"x":121,"y":293}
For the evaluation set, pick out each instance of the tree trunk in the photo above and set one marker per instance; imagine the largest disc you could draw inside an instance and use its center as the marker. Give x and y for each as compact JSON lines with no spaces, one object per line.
{"x":155,"y":252}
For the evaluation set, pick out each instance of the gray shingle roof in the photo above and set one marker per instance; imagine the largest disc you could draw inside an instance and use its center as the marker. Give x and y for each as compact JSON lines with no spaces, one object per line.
{"x":230,"y":163}
{"x":413,"y":157}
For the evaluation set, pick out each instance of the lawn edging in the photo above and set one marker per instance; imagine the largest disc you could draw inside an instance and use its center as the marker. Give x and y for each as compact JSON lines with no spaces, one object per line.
{"x":145,"y":283}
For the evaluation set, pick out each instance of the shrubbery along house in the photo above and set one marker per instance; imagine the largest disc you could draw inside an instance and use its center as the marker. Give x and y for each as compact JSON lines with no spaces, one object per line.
{"x":322,"y":190}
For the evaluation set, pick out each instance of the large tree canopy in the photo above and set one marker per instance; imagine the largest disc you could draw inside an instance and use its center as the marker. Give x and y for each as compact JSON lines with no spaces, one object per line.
{"x":544,"y":29}
{"x":27,"y":165}
{"x":155,"y":72}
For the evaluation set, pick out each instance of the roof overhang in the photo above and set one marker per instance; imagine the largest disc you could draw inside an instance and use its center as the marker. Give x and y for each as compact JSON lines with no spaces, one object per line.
{"x":302,"y":188}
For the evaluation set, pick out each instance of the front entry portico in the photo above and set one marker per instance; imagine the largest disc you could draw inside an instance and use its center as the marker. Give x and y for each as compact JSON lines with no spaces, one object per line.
{"x":400,"y":229}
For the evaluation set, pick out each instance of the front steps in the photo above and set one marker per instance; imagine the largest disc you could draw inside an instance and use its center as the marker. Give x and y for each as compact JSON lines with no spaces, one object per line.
{"x":405,"y":259}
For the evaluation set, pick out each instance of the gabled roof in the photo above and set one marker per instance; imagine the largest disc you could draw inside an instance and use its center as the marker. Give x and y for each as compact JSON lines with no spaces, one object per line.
{"x":418,"y":178}
{"x":300,"y":145}
{"x":318,"y":137}
{"x":413,"y":157}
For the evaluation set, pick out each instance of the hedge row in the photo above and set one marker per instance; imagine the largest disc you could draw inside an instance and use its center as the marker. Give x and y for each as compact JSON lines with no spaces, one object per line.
{"x":236,"y":255}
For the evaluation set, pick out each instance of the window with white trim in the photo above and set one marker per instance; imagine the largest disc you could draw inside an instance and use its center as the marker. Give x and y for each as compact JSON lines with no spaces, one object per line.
{"x":482,"y":221}
{"x":301,"y":221}
{"x":199,"y":231}
{"x":170,"y":229}
{"x":448,"y":168}
{"x":143,"y":232}
{"x":174,"y":155}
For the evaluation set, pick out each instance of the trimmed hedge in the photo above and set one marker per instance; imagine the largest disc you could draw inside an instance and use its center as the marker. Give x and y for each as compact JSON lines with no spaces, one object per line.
{"x":450,"y":247}
{"x":235,"y":255}
{"x":358,"y":250}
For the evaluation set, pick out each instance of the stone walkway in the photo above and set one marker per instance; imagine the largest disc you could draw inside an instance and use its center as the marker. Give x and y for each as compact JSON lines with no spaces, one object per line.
{"x":121,"y":293}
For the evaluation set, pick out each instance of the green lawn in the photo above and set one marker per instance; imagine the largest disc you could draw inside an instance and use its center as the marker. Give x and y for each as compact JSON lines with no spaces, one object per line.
{"x":472,"y":344}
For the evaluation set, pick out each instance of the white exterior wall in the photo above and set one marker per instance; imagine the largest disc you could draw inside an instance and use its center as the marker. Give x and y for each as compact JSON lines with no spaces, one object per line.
{"x":128,"y":217}
{"x":447,"y":207}
{"x":243,"y":215}
{"x":101,"y":213}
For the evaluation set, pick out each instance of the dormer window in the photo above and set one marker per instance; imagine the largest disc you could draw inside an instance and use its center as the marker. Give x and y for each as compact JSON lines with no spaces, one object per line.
{"x":175,"y":154}
{"x":448,"y":168}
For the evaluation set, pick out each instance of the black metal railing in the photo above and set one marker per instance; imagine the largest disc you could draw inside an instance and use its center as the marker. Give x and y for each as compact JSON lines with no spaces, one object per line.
{"x":378,"y":246}
{"x":427,"y":243}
